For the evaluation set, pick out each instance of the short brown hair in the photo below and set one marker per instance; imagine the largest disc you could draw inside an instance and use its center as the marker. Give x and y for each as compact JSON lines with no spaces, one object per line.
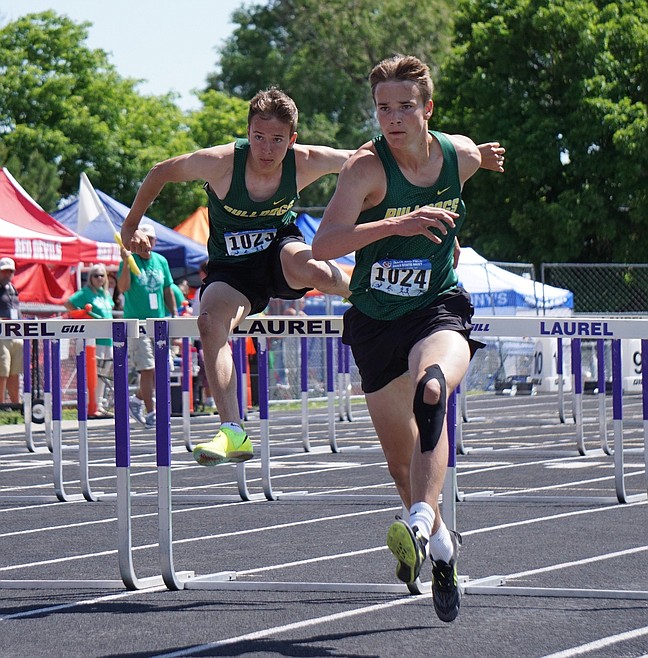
{"x":274,"y":103}
{"x":403,"y":68}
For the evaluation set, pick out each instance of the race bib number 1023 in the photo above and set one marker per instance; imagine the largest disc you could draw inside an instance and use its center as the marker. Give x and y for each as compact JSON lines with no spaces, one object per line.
{"x":405,"y":278}
{"x":249,"y":242}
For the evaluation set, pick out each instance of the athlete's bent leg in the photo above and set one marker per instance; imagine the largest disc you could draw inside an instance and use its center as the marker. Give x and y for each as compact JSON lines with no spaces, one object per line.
{"x":301,"y":270}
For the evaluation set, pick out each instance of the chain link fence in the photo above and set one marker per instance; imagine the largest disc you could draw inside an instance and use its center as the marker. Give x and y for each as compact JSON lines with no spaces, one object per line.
{"x":602,"y":289}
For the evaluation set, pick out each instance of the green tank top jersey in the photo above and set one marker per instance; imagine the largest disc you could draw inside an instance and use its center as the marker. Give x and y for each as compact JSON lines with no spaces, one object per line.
{"x":397,"y":275}
{"x":240,"y":227}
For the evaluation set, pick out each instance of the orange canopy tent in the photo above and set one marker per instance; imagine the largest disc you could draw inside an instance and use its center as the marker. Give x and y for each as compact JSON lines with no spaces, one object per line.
{"x":196,"y":226}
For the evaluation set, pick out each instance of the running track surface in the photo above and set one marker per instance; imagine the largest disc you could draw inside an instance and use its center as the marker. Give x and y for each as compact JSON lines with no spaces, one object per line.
{"x":553,"y":524}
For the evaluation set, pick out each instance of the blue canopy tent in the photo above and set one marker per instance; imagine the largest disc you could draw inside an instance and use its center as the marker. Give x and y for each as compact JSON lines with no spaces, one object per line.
{"x":308,"y":226}
{"x":184,"y":254}
{"x":320,"y":305}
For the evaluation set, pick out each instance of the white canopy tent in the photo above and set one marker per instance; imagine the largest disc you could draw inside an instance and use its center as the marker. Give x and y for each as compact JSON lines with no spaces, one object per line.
{"x":496,"y":291}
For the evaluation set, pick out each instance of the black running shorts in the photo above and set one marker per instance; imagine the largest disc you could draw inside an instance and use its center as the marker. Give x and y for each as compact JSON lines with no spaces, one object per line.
{"x":260,"y":276}
{"x":381,"y":347}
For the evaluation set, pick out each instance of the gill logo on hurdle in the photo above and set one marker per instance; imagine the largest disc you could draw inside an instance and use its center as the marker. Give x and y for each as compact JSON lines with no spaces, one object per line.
{"x":55,"y":328}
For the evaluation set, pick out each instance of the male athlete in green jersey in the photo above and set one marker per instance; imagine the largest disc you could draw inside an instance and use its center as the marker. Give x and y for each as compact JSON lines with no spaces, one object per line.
{"x":398,"y":206}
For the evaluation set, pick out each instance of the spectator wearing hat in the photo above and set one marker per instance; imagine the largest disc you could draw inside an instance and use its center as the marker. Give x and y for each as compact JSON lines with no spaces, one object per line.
{"x":11,"y":350}
{"x":97,"y":294}
{"x":147,"y":295}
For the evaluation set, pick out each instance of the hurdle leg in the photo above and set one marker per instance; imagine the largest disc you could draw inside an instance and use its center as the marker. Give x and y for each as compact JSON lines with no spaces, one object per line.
{"x":340,"y":380}
{"x":561,"y":381}
{"x":330,"y":394}
{"x":245,"y":392}
{"x":27,"y":395}
{"x":449,"y":491}
{"x":303,"y":342}
{"x":264,"y":425}
{"x":186,"y":402}
{"x":47,"y":391}
{"x":577,"y":399}
{"x":82,"y":417}
{"x":346,"y":354}
{"x":617,"y":413}
{"x":239,"y":356}
{"x":458,"y":424}
{"x":600,"y":361}
{"x":163,"y":453}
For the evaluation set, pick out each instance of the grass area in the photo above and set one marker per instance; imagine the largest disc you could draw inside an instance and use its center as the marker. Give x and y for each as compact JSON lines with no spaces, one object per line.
{"x":14,"y":417}
{"x":11,"y":417}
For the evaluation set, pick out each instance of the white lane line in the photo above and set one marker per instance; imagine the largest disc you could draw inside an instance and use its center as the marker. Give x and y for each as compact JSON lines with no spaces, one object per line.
{"x":66,"y":606}
{"x":551,"y":517}
{"x":236,"y":533}
{"x":466,"y":533}
{"x":604,"y":642}
{"x":563,"y":485}
{"x":202,"y":508}
{"x":276,"y":630}
{"x":576,"y":563}
{"x":178,"y":467}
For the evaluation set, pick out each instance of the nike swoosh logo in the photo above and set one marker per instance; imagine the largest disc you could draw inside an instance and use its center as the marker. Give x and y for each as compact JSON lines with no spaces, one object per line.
{"x":445,"y":189}
{"x":276,"y":203}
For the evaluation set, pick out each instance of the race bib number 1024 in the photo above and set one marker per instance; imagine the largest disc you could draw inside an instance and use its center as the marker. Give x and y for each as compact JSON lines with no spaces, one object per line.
{"x":405,"y":278}
{"x":248,"y":242}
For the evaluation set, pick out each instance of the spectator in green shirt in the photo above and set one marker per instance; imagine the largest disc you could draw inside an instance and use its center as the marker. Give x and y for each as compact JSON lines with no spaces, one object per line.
{"x":147,"y":295}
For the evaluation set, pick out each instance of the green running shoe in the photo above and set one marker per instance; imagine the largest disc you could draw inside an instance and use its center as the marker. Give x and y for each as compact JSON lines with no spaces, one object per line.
{"x":446,"y":592}
{"x":409,"y":548}
{"x":228,"y":446}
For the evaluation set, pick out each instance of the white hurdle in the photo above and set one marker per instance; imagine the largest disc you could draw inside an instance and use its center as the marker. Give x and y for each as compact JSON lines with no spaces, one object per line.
{"x":54,"y":331}
{"x":578,"y":328}
{"x":612,"y":329}
{"x":275,"y":326}
{"x":331,"y":326}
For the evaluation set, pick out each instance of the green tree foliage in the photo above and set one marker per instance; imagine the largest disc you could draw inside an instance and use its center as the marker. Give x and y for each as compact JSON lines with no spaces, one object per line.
{"x":38,"y":177}
{"x":321,"y":54}
{"x":220,"y":119}
{"x":66,"y":103}
{"x":562,"y":84}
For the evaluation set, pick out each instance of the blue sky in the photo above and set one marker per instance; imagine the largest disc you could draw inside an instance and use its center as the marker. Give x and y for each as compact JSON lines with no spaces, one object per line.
{"x":168,"y":43}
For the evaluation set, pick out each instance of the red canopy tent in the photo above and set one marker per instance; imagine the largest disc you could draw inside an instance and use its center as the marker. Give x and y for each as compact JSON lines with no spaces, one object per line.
{"x":47,"y":254}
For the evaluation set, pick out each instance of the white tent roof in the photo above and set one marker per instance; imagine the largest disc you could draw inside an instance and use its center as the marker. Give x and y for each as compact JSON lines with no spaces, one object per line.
{"x":496,"y":291}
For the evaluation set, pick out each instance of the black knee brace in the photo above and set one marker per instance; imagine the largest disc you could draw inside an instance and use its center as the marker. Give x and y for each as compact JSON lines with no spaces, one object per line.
{"x":430,"y":417}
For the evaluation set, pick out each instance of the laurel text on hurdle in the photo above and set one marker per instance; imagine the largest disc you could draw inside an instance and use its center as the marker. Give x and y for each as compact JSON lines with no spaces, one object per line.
{"x":290,"y":327}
